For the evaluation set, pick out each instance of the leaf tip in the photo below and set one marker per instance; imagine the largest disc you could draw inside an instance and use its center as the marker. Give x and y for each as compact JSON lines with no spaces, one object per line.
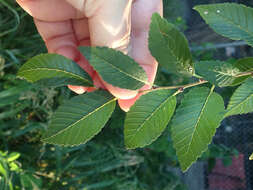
{"x":22,"y":77}
{"x":129,"y":148}
{"x":47,"y":140}
{"x":196,"y":8}
{"x":19,"y":76}
{"x":185,"y":169}
{"x":133,"y":147}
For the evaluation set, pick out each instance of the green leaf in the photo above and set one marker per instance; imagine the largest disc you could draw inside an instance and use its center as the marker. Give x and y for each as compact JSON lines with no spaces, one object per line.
{"x":195,"y":124}
{"x":241,"y":101}
{"x":80,"y":119}
{"x":13,"y":166}
{"x":229,"y":19}
{"x":148,"y":118}
{"x":169,"y":46}
{"x":56,"y":69}
{"x":115,"y":68}
{"x":217,"y":72}
{"x":13,"y":156}
{"x":3,"y":171}
{"x":244,"y":65}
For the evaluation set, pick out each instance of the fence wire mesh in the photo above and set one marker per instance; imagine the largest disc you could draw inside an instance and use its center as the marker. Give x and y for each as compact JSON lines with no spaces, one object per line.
{"x":235,"y":132}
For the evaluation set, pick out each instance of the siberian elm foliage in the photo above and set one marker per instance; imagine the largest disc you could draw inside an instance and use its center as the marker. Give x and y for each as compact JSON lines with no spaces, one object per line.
{"x":193,"y":122}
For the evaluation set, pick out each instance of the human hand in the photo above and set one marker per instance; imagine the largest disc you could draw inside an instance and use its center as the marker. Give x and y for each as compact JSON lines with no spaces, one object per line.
{"x":120,"y":24}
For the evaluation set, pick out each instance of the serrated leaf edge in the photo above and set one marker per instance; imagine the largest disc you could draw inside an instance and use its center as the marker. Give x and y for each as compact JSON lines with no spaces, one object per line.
{"x":145,"y":82}
{"x":45,"y":139}
{"x":229,"y":21}
{"x":57,"y":70}
{"x":185,"y":169}
{"x":234,"y":107}
{"x":164,"y":34}
{"x":195,"y":126}
{"x":134,"y":147}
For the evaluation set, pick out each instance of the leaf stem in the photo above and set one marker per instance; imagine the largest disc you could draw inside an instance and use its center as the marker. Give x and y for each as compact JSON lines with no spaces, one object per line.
{"x":180,"y":87}
{"x":244,"y":74}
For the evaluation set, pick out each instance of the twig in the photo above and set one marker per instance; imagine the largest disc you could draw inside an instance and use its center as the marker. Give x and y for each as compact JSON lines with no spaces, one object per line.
{"x":244,"y":74}
{"x":181,"y":88}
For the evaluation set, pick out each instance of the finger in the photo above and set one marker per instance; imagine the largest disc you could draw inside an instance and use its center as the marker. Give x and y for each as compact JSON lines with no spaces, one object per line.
{"x":141,"y":16}
{"x":111,"y":27}
{"x":60,"y":38}
{"x":98,"y":82}
{"x":50,"y":10}
{"x":81,"y":30}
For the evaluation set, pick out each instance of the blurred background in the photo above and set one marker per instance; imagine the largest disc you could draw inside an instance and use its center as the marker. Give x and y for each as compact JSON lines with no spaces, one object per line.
{"x":28,"y":164}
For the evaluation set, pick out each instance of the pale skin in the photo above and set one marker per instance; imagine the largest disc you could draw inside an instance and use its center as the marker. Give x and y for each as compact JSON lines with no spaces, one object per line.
{"x":120,"y":24}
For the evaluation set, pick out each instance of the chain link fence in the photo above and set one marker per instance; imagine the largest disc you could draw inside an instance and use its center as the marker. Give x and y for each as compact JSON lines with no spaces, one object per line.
{"x":235,"y":132}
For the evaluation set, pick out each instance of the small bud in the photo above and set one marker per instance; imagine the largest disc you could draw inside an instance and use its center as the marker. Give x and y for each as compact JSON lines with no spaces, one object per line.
{"x":181,"y":89}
